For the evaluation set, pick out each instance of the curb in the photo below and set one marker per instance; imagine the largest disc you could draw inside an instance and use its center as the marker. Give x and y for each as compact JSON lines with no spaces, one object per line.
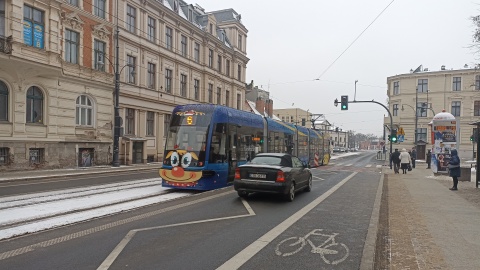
{"x":87,"y":172}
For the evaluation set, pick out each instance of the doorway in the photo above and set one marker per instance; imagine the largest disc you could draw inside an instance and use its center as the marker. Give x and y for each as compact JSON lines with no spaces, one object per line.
{"x":137,"y":153}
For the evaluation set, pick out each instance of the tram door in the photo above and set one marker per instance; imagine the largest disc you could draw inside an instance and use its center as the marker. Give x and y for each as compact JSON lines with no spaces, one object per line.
{"x":232,"y":153}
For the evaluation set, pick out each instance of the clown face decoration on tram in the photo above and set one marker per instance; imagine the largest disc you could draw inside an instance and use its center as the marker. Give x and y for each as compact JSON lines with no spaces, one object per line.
{"x":179,"y":175}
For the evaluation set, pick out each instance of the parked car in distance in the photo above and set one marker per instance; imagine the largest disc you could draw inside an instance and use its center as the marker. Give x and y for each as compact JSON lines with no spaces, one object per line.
{"x":336,"y":149}
{"x":273,"y":173}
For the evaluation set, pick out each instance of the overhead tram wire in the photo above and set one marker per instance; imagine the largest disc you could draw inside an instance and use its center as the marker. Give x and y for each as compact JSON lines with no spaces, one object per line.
{"x":321,"y":75}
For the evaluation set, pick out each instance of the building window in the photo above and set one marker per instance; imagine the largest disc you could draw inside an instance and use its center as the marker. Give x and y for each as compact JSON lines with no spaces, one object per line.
{"x":184,"y":46}
{"x":152,"y":70}
{"x":3,"y":102}
{"x":169,"y":38}
{"x":210,"y":58}
{"x":131,"y":17}
{"x":240,"y":42}
{"x":227,"y":68}
{"x":457,"y":84}
{"x":130,"y":122}
{"x":219,"y":95}
{"x":239,"y":72}
{"x":476,"y":108}
{"x":131,"y":68}
{"x":183,"y":85}
{"x":227,"y":98}
{"x":152,"y":29}
{"x":4,"y":155}
{"x":291,"y":119}
{"x":36,"y":155}
{"x":422,"y":134}
{"x":196,"y":53}
{"x":196,"y":88}
{"x":99,"y":8}
{"x":190,"y":15}
{"x":84,"y":111}
{"x":210,"y":93}
{"x":219,"y":63}
{"x":456,"y":108}
{"x":168,"y":80}
{"x":396,"y":88}
{"x":422,"y":85}
{"x":72,"y":43}
{"x":150,"y":123}
{"x":33,"y":27}
{"x":395,"y":109}
{"x":211,"y":29}
{"x":99,"y":54}
{"x":239,"y":102}
{"x":73,"y":2}
{"x":166,"y":124}
{"x":477,"y":82}
{"x":34,"y":105}
{"x":422,"y":109}
{"x":2,"y":18}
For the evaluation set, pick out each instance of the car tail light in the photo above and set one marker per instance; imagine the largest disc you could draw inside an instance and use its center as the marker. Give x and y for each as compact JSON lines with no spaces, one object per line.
{"x":280,"y":176}
{"x":237,"y":173}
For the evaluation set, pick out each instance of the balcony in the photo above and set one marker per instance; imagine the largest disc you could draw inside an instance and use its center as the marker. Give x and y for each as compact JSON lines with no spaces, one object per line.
{"x":6,"y":44}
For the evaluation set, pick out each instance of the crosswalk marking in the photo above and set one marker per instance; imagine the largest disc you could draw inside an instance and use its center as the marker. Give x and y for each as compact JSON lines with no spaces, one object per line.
{"x":368,"y":165}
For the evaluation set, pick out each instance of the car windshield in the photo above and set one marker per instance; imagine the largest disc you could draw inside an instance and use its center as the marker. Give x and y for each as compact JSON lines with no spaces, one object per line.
{"x":268,"y":160}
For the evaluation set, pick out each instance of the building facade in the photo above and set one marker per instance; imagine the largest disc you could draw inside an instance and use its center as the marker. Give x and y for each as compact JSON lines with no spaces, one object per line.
{"x":415,"y":97}
{"x":55,"y":101}
{"x":295,"y":116}
{"x":174,"y":53}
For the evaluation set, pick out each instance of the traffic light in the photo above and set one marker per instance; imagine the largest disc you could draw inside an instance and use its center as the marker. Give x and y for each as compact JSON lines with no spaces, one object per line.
{"x":344,"y":103}
{"x":393,"y":137}
{"x":471,"y":138}
{"x":389,"y":138}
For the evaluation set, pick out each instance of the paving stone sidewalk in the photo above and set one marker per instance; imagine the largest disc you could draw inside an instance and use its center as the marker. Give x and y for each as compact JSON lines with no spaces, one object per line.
{"x":428,"y":225}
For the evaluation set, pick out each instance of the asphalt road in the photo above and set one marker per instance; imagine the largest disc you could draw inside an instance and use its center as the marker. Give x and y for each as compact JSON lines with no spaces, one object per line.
{"x":322,"y":229}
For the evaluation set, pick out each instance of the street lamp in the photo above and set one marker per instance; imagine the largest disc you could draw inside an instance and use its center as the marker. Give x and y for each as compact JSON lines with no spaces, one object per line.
{"x":117,"y":119}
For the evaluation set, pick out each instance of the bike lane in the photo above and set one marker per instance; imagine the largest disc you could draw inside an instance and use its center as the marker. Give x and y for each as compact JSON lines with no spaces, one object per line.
{"x":330,"y":236}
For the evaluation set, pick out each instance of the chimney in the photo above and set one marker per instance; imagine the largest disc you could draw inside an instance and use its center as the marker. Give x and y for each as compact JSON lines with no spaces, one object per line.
{"x":260,"y":105}
{"x":442,"y":67}
{"x":270,"y":108}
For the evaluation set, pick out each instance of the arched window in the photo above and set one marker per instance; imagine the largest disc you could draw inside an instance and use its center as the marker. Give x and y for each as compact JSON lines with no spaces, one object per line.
{"x":3,"y":102}
{"x":84,"y":111}
{"x":34,"y":105}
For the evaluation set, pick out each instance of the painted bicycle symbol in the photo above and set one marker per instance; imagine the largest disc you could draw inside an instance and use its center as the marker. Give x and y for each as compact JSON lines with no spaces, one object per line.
{"x":330,"y":251}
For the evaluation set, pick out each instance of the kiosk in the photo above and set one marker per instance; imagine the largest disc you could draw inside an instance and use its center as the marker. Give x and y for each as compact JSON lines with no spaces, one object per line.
{"x":444,"y":138}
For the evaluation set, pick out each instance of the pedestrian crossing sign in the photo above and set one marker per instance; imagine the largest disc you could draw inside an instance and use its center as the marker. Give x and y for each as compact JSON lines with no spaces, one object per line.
{"x":401,"y":138}
{"x":400,"y":131}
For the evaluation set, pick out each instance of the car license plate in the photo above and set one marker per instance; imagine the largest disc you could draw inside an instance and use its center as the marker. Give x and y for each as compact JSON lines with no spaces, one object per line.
{"x":258,"y":175}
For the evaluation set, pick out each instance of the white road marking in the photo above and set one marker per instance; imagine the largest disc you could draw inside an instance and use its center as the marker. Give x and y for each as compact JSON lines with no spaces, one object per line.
{"x":368,"y":165}
{"x":246,"y":254}
{"x":119,"y":248}
{"x":379,"y":166}
{"x":349,"y":164}
{"x":318,"y":177}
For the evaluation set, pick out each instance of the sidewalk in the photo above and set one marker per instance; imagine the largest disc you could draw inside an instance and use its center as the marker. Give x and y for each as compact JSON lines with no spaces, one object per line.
{"x":430,"y":226}
{"x":42,"y":174}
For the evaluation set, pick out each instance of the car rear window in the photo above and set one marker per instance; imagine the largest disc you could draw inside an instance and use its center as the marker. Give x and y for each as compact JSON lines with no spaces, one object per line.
{"x":270,"y":160}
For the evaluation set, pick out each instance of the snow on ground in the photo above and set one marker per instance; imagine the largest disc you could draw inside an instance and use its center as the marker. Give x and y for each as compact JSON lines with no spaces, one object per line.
{"x":58,"y":203}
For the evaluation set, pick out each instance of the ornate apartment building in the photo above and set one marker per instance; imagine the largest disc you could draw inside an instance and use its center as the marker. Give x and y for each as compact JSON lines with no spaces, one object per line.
{"x":57,"y":76}
{"x":181,"y":54}
{"x":419,"y":95}
{"x":55,"y":100}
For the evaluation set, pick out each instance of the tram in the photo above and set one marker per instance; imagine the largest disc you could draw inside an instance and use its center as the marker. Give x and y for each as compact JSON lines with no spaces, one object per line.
{"x":206,"y":142}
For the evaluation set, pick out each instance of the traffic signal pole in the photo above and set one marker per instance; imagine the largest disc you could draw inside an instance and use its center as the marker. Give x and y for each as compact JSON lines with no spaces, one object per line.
{"x":376,"y":102}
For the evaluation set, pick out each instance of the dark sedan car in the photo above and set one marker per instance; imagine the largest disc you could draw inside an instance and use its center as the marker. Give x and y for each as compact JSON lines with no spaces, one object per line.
{"x":273,"y":173}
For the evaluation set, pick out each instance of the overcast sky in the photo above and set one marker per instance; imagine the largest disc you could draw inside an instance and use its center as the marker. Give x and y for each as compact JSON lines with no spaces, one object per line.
{"x":292,"y":43}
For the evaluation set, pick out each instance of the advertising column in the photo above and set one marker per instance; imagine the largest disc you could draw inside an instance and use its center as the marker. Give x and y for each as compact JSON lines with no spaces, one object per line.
{"x":444,"y":131}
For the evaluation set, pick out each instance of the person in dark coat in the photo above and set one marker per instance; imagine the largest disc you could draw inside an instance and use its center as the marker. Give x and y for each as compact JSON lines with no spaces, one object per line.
{"x":429,"y":159}
{"x":413,"y":155}
{"x":396,"y":161}
{"x":454,"y":168}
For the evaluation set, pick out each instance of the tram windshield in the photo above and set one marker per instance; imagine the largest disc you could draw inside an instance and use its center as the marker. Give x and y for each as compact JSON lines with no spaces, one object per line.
{"x":187,"y":137}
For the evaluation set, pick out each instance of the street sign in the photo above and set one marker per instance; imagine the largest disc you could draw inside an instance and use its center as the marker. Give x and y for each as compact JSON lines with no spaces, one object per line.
{"x":400,"y":131}
{"x":401,"y":138}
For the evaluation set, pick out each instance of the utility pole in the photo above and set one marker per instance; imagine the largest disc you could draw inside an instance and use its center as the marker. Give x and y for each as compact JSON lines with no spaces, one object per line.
{"x":117,"y":120}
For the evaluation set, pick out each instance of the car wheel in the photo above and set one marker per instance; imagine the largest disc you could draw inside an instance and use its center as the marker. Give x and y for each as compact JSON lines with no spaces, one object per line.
{"x":242,"y":194}
{"x":310,"y":184}
{"x":291,"y":193}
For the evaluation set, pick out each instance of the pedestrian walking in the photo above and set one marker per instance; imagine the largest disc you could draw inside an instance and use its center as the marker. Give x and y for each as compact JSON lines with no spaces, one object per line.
{"x":454,"y":168}
{"x":396,"y":161}
{"x":429,"y":158}
{"x":413,"y":155}
{"x":405,"y":160}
